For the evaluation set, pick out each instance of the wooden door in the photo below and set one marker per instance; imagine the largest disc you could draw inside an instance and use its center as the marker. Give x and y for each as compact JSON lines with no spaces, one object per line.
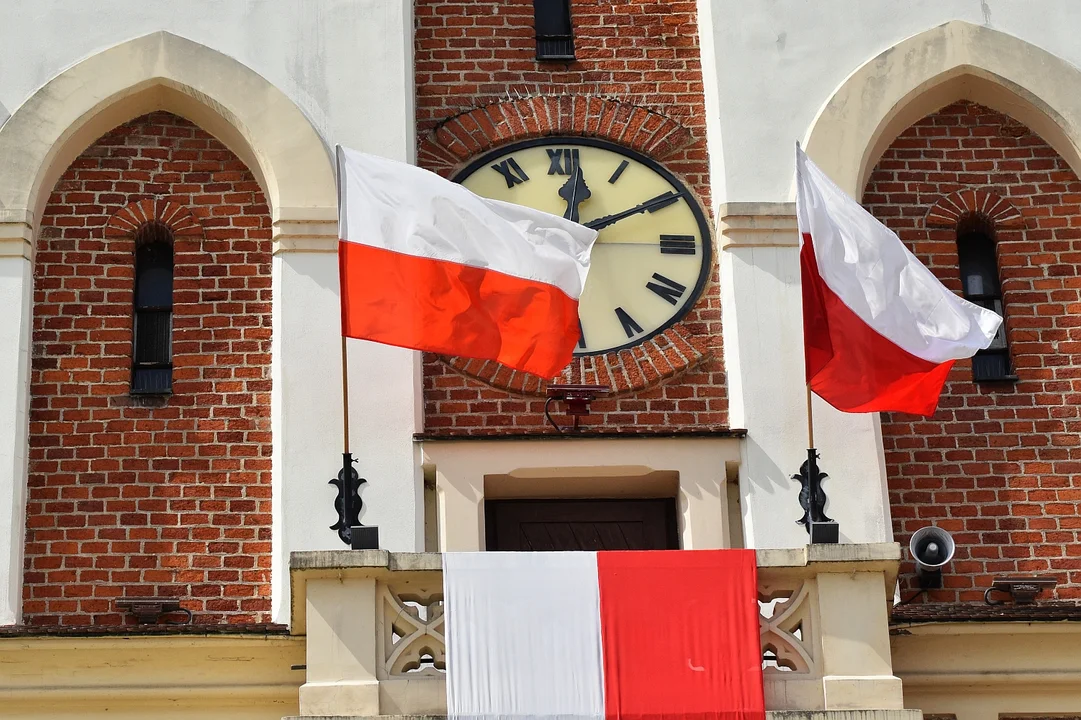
{"x":581,"y":525}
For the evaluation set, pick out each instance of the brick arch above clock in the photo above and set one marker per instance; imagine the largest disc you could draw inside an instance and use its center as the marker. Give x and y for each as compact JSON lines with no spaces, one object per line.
{"x":476,"y":131}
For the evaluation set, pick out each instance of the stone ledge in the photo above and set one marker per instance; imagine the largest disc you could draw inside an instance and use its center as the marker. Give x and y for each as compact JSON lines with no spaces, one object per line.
{"x":770,"y":715}
{"x":844,"y":715}
{"x":753,"y":224}
{"x":840,"y":553}
{"x":346,"y":559}
{"x":769,"y":558}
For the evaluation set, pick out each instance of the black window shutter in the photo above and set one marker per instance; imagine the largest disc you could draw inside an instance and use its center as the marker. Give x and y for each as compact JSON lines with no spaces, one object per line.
{"x":152,"y":343}
{"x":978,"y":265}
{"x":552,"y":22}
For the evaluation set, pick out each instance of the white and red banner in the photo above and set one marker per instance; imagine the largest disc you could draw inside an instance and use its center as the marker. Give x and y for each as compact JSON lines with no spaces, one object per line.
{"x":880,"y":331}
{"x":428,"y":265}
{"x":588,"y":636}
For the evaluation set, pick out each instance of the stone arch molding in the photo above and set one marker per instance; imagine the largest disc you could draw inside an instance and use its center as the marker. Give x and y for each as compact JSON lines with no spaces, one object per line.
{"x":162,"y":71}
{"x":920,"y":75}
{"x":262,"y":127}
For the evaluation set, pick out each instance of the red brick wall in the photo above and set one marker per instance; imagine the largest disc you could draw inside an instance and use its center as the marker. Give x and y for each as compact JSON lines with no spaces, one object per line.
{"x":637,"y":81}
{"x":999,"y":464}
{"x":164,"y":496}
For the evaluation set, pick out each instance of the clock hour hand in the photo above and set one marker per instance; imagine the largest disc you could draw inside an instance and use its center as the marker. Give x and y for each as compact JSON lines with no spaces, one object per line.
{"x":574,"y":191}
{"x":652,"y":205}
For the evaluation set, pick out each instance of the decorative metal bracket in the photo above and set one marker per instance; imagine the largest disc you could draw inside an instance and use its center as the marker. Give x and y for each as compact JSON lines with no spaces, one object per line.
{"x":348,"y":509}
{"x":577,"y":399}
{"x":149,"y":610}
{"x":812,"y":498}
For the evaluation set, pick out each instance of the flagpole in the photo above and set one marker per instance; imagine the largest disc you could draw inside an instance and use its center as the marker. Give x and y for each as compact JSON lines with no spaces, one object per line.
{"x":810,"y":420}
{"x":355,"y":535}
{"x":347,"y":457}
{"x":820,"y":528}
{"x":345,"y":397}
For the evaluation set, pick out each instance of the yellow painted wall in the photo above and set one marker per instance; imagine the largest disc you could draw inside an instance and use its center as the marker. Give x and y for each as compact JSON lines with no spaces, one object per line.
{"x":209,"y":677}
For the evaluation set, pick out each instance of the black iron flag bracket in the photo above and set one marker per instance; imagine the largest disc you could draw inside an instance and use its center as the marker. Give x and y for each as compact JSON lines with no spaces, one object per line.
{"x":348,"y":506}
{"x":812,"y":498}
{"x":348,"y":503}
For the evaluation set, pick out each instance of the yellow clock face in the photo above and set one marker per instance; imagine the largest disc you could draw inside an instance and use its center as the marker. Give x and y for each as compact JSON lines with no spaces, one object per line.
{"x":653,"y":254}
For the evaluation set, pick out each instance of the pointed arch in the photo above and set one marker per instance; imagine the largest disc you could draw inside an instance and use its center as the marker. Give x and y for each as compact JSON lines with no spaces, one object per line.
{"x":263,"y":128}
{"x":162,"y":71}
{"x":954,"y":61}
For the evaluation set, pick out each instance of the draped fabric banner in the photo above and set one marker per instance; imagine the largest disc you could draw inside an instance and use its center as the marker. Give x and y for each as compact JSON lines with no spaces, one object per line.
{"x":655,"y":634}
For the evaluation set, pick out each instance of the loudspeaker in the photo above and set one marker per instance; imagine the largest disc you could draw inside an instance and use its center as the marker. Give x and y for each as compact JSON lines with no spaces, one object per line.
{"x":932,"y":548}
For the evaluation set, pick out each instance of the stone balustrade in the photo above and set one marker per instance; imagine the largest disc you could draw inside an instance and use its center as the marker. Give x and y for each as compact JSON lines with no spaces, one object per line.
{"x":375,"y":646}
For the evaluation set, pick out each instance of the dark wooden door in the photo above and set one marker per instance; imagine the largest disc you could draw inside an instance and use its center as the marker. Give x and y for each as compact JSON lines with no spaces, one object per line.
{"x":581,"y":525}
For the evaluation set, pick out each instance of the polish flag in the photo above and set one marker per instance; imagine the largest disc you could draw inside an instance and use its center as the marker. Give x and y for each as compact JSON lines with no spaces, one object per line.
{"x":588,"y":636}
{"x":426,"y":264}
{"x":880,"y":331}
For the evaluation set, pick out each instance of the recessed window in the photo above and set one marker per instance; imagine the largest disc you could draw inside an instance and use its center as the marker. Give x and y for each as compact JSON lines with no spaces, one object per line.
{"x":552,"y":23}
{"x":152,"y":347}
{"x":978,"y":264}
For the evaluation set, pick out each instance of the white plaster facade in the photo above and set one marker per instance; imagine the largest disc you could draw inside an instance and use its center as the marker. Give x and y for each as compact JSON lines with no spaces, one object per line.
{"x":282,"y":82}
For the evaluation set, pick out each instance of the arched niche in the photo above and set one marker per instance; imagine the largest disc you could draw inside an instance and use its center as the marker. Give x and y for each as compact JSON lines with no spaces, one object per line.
{"x":926,"y":72}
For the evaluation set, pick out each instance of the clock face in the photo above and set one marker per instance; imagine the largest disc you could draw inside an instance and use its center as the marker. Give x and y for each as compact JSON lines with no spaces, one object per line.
{"x":652,"y":256}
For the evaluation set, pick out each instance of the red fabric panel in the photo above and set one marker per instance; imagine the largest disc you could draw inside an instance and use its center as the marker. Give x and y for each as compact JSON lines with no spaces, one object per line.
{"x":680,"y":635}
{"x":455,"y":309}
{"x":851,"y":366}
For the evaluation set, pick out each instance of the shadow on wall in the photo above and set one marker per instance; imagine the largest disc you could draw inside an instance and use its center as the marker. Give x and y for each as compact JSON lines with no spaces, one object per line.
{"x":773,"y":480}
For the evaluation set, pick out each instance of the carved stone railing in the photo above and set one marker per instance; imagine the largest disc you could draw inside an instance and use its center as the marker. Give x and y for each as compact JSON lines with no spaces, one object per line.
{"x":375,"y":645}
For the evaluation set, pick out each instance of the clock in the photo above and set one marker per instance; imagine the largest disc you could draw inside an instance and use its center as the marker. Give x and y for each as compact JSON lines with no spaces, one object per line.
{"x":653,"y":254}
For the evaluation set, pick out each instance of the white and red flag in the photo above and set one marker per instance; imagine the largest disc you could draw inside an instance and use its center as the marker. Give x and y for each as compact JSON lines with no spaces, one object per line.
{"x":428,"y":265}
{"x":880,"y":331}
{"x":595,"y":635}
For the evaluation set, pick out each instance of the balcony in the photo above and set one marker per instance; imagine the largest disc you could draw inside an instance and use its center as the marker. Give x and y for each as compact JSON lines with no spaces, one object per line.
{"x":374,"y":627}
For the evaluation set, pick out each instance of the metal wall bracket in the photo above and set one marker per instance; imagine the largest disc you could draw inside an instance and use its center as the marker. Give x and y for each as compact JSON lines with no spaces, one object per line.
{"x":812,"y":498}
{"x":348,"y":506}
{"x":149,"y":610}
{"x":344,"y":525}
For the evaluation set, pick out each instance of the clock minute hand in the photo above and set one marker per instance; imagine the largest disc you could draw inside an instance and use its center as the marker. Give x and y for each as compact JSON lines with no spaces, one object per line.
{"x":652,"y":205}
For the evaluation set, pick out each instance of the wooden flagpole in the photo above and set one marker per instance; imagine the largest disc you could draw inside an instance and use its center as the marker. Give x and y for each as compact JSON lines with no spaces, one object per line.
{"x":347,"y":457}
{"x":810,"y":418}
{"x":345,"y":397}
{"x":357,"y":536}
{"x":820,"y":528}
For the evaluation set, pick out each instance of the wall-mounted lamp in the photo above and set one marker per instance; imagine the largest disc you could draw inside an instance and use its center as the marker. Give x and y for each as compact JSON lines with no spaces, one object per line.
{"x":1022,"y":588}
{"x":149,"y":610}
{"x":577,"y":399}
